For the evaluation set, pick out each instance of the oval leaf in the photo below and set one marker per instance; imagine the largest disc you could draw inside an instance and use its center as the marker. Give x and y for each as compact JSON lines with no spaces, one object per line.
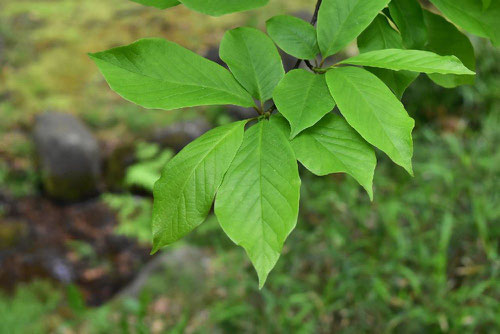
{"x":253,"y":59}
{"x":445,"y":39}
{"x":258,"y":202}
{"x":373,"y":111}
{"x":410,"y":60}
{"x":333,"y":146}
{"x":341,"y":21}
{"x":409,"y":17}
{"x":159,"y":74}
{"x":185,"y":192}
{"x":303,"y":98}
{"x":221,"y":7}
{"x":294,"y":36}
{"x":471,"y":15}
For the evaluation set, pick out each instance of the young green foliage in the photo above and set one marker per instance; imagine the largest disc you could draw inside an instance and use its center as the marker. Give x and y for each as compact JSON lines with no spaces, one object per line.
{"x":254,"y":60}
{"x":143,"y":74}
{"x":249,"y":168}
{"x":341,"y":21}
{"x":372,"y":110}
{"x":294,"y":36}
{"x":186,"y":190}
{"x":258,"y":202}
{"x":303,"y":98}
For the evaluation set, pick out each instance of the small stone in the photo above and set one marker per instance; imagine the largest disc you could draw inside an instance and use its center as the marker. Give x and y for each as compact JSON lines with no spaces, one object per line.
{"x":68,"y":156}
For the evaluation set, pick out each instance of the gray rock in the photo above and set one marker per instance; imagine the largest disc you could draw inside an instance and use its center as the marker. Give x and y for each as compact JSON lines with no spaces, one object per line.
{"x":178,"y":135}
{"x":68,"y":156}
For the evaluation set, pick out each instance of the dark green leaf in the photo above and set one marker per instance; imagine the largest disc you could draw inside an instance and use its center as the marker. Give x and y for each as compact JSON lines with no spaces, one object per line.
{"x":303,"y":98}
{"x":294,"y":36}
{"x":254,"y":60}
{"x":185,"y":192}
{"x":445,"y":39}
{"x":380,"y":35}
{"x":409,"y":17}
{"x":258,"y":202}
{"x":471,"y":15}
{"x":155,"y":73}
{"x":373,"y":111}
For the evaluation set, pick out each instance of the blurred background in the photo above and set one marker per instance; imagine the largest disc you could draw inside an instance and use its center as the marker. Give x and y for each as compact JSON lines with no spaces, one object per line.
{"x":77,"y":164}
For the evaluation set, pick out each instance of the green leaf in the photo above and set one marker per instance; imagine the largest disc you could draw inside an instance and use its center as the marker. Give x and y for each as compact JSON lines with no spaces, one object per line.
{"x":409,"y":17}
{"x":471,"y":15}
{"x":333,"y":146}
{"x":258,"y":202}
{"x":162,"y":4}
{"x":373,"y":111}
{"x":254,"y":60}
{"x":410,"y":60}
{"x":445,"y":39}
{"x":294,"y":36}
{"x":380,"y":35}
{"x":396,"y":81}
{"x":486,"y":4}
{"x":186,"y":190}
{"x":341,"y":21}
{"x":222,"y":7}
{"x":303,"y":98}
{"x":159,"y":74}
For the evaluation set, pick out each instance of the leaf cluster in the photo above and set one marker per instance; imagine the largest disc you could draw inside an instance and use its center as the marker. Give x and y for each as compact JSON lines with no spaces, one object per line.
{"x":249,"y":168}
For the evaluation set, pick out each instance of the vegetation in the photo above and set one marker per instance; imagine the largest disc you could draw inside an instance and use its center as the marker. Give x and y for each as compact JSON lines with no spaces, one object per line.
{"x":251,"y":175}
{"x":422,"y":257}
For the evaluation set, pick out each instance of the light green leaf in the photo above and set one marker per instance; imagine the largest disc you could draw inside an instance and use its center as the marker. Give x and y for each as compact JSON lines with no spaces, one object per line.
{"x":221,"y":7}
{"x":409,"y":17}
{"x":254,"y":60}
{"x":159,"y":74}
{"x":162,"y":4}
{"x":186,"y":190}
{"x":333,"y":146}
{"x":341,"y":21}
{"x":410,"y":60}
{"x":303,"y":98}
{"x":471,"y":15}
{"x":258,"y":202}
{"x":486,"y":4}
{"x":294,"y":36}
{"x":373,"y":111}
{"x":380,"y":35}
{"x":445,"y":39}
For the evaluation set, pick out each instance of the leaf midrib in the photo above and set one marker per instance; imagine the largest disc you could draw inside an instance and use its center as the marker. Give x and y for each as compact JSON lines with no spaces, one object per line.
{"x":170,"y":81}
